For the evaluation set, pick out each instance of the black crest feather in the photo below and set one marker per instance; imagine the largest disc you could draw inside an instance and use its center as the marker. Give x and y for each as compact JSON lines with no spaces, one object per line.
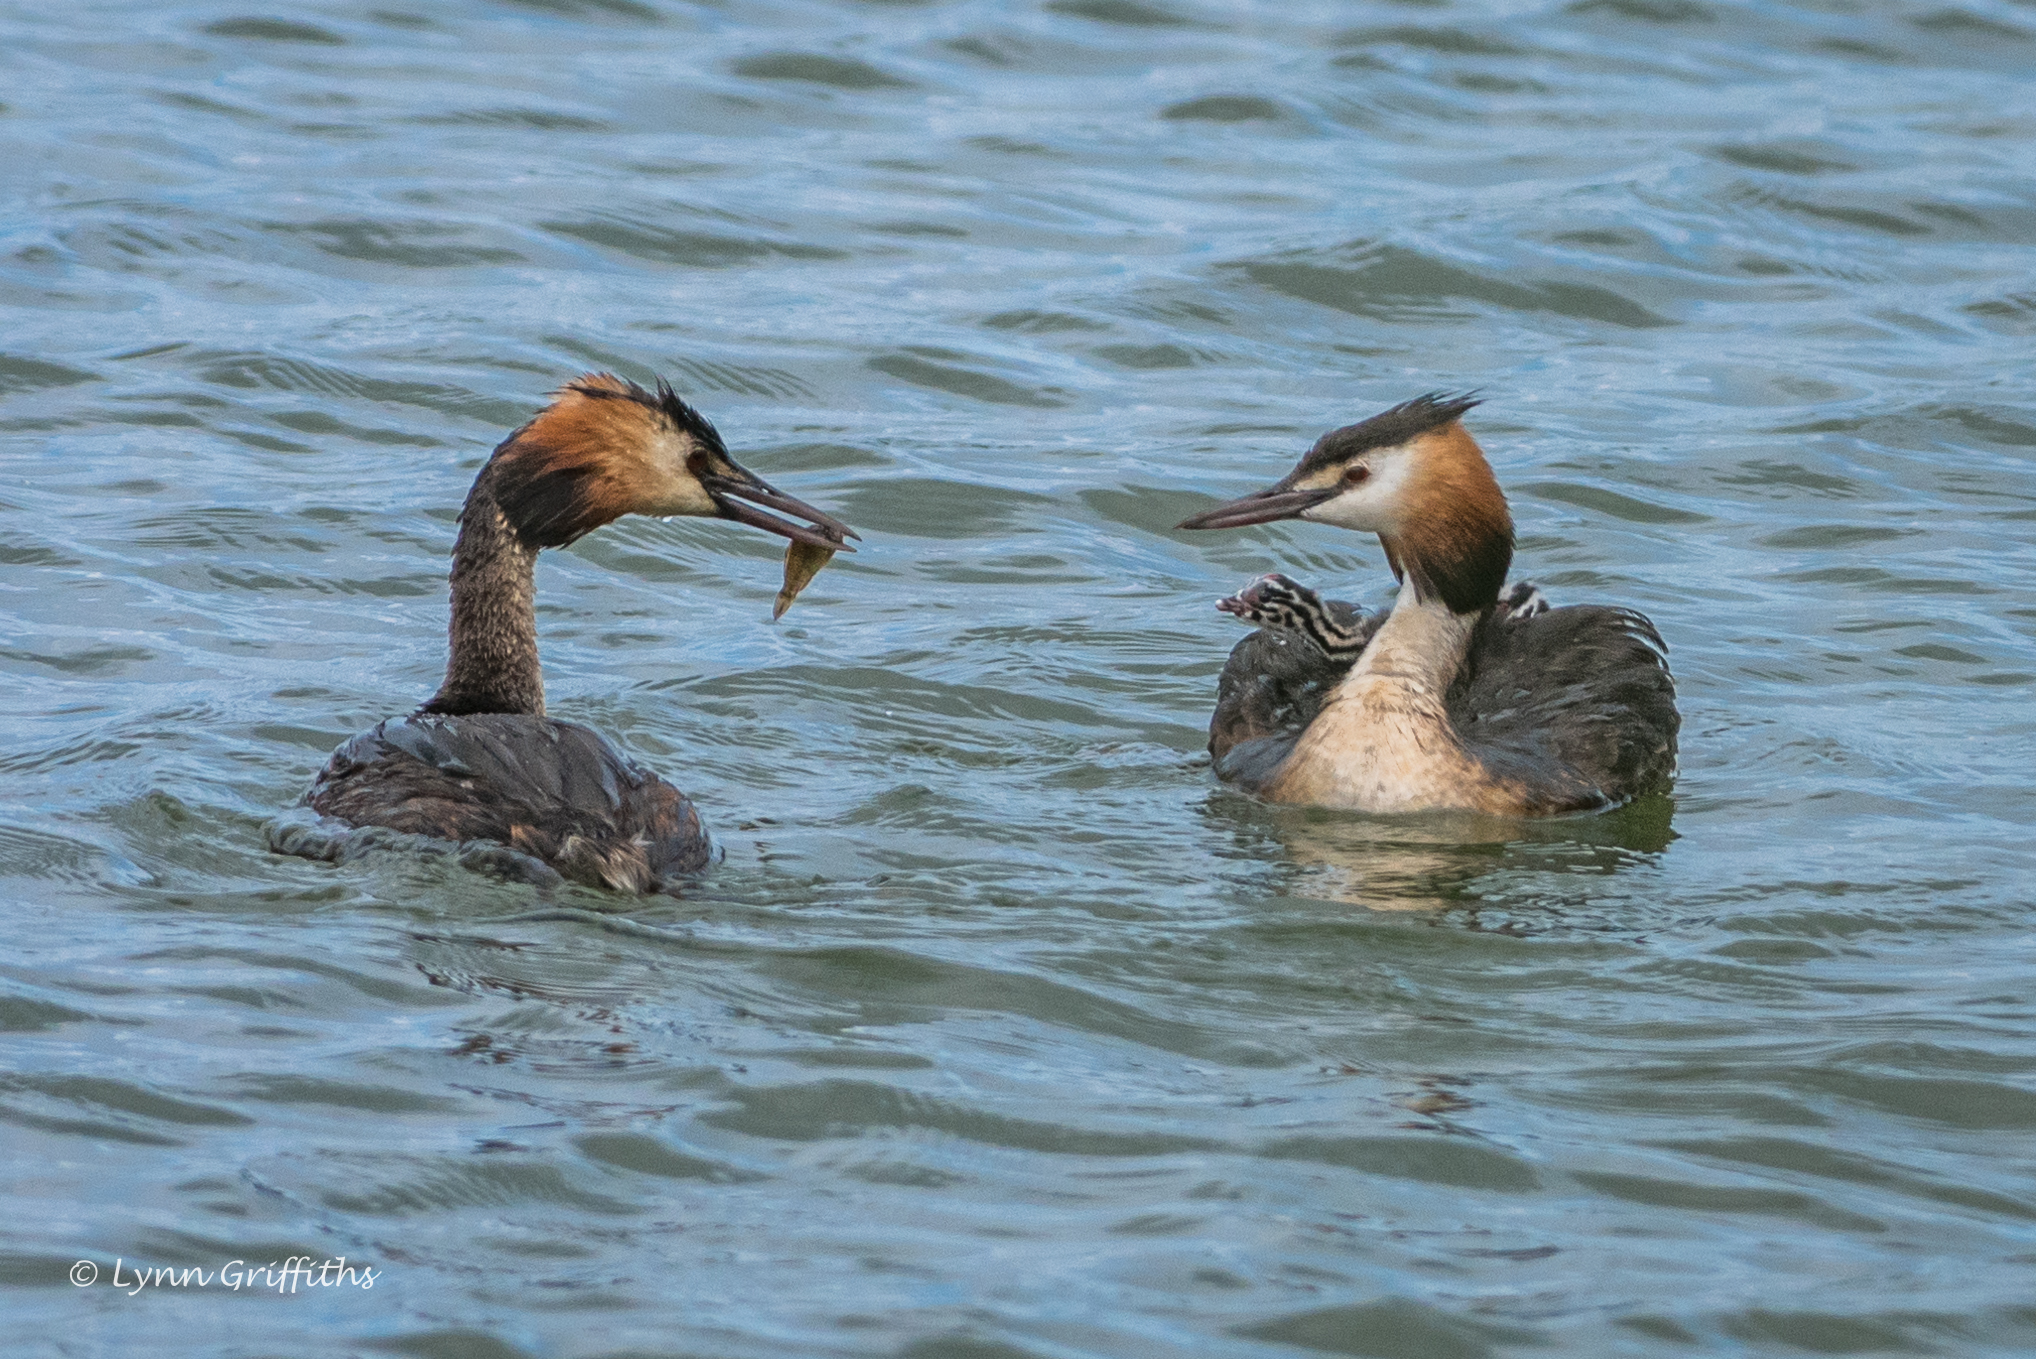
{"x":664,"y":401}
{"x":1389,"y":428}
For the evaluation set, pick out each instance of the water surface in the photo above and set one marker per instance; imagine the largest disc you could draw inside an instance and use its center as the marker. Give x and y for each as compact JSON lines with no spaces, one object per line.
{"x":1002,"y":1031}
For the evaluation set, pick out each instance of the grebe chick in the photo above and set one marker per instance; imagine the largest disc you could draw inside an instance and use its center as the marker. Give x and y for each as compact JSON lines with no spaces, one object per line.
{"x":1458,"y":698}
{"x":1338,"y":630}
{"x":480,"y":761}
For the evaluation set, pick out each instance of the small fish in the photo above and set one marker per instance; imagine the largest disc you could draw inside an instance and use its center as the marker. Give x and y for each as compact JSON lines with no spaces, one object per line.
{"x":802,"y":562}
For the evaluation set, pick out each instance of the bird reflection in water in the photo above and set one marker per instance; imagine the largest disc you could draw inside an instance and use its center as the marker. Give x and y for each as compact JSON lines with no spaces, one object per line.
{"x":1437,"y":862}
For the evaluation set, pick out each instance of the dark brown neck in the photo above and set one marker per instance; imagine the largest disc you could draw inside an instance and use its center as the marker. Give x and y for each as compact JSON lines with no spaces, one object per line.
{"x":1463,"y":565}
{"x":493,"y":666}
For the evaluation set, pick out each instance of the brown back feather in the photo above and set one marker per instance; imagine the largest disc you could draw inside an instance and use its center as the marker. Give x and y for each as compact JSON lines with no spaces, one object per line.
{"x":556,"y":791}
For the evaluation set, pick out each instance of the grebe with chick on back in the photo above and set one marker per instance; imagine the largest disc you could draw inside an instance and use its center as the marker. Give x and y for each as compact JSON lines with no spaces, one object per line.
{"x":480,"y":761}
{"x":1465,"y":696}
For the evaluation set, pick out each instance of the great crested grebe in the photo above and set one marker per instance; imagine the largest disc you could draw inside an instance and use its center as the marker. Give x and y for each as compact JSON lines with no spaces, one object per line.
{"x":1459,"y":698}
{"x":480,"y":761}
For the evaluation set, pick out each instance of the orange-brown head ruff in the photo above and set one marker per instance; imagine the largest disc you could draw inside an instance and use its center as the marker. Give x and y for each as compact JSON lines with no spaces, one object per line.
{"x":1414,"y":476}
{"x":606,"y":447}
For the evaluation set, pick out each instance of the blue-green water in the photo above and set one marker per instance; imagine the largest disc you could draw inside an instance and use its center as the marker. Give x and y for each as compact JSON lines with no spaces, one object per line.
{"x":1002,"y":1031}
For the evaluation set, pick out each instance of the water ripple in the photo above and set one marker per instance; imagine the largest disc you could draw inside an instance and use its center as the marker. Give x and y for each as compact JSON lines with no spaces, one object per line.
{"x":1000,"y":1029}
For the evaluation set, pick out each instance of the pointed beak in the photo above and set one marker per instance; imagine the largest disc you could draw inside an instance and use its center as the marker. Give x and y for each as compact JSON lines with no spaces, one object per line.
{"x":1260,"y":507}
{"x":737,"y":493}
{"x":1244,"y":601}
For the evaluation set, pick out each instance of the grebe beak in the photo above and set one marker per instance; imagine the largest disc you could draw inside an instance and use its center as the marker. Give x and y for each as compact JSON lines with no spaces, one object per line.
{"x":732,"y":486}
{"x":1245,"y":600}
{"x":1260,"y":507}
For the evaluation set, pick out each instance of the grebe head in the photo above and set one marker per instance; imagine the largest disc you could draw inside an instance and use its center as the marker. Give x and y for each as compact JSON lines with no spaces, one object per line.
{"x":606,"y":447}
{"x":1271,"y":602}
{"x":1412,"y":475}
{"x":1278,"y":604}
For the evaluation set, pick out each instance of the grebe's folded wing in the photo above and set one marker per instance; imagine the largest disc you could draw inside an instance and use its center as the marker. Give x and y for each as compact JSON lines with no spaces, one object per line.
{"x":555,"y":790}
{"x":1585,"y":689}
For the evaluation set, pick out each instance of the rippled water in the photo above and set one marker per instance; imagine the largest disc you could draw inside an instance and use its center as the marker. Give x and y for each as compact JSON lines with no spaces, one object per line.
{"x":1002,"y":1031}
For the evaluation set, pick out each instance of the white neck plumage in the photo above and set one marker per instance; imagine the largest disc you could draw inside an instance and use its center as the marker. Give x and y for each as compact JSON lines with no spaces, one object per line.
{"x":1383,"y":741}
{"x":1421,"y":645}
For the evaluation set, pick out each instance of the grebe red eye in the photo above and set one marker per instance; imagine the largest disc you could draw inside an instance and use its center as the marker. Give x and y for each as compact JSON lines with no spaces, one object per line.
{"x":1356,"y":475}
